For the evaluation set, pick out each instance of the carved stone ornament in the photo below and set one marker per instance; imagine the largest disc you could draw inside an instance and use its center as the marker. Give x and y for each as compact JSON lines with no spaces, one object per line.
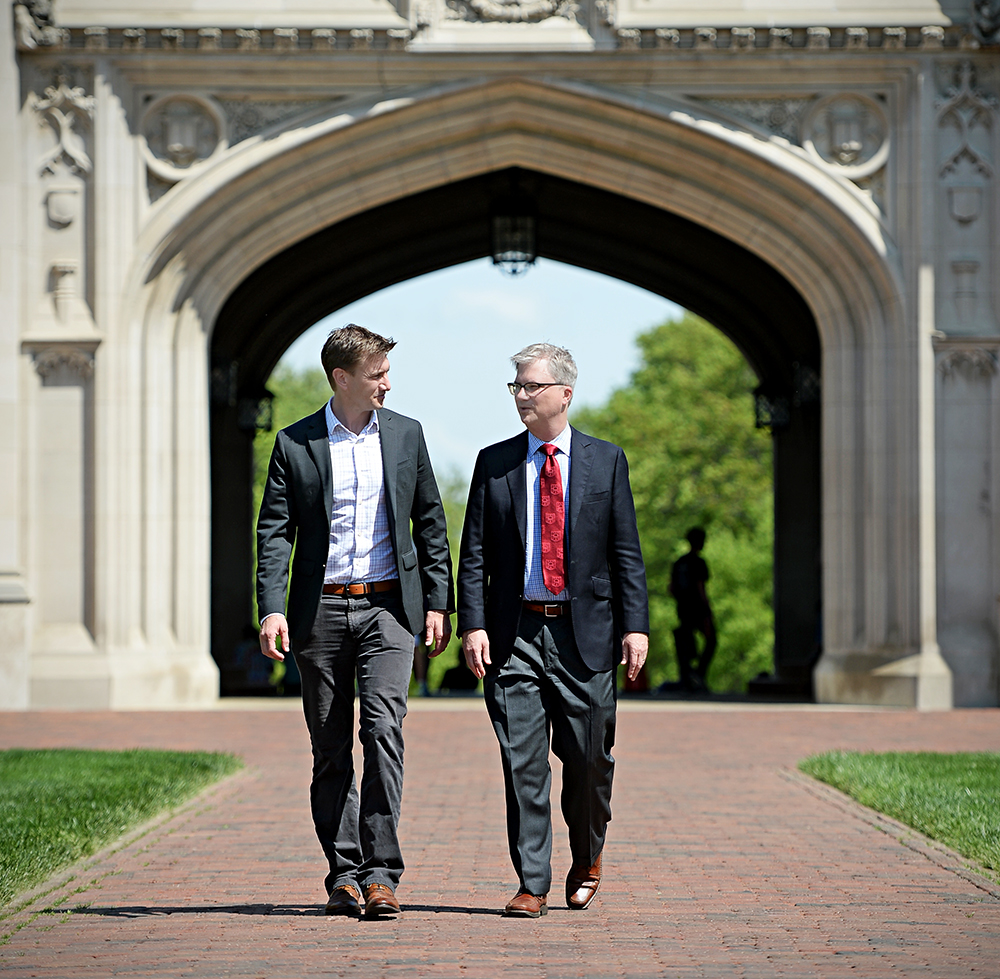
{"x":965,"y":203}
{"x":182,"y":133}
{"x":34,"y":28}
{"x":971,"y":363}
{"x":248,"y":117}
{"x":51,"y":359}
{"x":63,"y":106}
{"x":968,"y":111}
{"x":985,"y":21}
{"x":782,"y":117}
{"x":511,"y":11}
{"x":848,"y":133}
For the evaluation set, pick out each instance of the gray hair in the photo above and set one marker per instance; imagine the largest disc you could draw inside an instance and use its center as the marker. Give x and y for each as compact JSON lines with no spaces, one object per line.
{"x":562,"y":367}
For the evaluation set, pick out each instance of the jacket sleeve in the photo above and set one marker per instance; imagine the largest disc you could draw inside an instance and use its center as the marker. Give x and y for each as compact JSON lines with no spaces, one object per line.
{"x":472,"y":579}
{"x":628,"y":573}
{"x":276,"y":528}
{"x":430,"y":535}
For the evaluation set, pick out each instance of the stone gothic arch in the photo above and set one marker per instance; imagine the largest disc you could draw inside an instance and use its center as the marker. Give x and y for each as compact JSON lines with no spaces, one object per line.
{"x":815,"y":233}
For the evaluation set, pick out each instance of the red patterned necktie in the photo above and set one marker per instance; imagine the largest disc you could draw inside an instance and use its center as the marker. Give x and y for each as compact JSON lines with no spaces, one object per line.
{"x":550,"y":492}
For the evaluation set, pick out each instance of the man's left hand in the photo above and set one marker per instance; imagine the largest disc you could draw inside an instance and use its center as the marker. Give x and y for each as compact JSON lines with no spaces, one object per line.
{"x":635,"y":645}
{"x":437,"y":631}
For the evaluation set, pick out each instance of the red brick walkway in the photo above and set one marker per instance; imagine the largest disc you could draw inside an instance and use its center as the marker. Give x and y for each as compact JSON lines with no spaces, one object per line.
{"x":721,"y":862}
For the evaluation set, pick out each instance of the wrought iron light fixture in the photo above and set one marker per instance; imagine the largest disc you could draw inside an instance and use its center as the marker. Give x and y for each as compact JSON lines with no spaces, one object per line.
{"x":513,"y":236}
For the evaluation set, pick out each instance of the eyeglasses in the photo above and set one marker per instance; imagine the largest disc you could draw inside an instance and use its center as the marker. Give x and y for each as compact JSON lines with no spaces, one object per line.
{"x":531,"y":388}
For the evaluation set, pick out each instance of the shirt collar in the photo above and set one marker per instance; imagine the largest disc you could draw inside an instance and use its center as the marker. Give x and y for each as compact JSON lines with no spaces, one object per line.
{"x":333,"y":423}
{"x":562,"y":441}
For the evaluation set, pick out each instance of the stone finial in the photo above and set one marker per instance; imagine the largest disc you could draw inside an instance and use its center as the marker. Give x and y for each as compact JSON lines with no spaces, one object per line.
{"x":362,"y":39}
{"x":133,"y":38}
{"x":324,"y":39}
{"x":247,"y":40}
{"x":856,"y":38}
{"x":779,"y":38}
{"x":668,"y":37}
{"x":629,"y":39}
{"x":398,"y":38}
{"x":209,"y":39}
{"x":172,"y":38}
{"x":705,"y":38}
{"x":931,"y":38}
{"x":286,"y":39}
{"x":817,"y":38}
{"x":95,"y":38}
{"x":893,"y":38}
{"x":742,"y":38}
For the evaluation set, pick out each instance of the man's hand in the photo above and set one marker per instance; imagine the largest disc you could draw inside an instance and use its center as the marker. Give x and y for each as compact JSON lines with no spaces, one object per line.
{"x":635,"y":645}
{"x":476,"y":646}
{"x":437,"y":631}
{"x":274,"y":626}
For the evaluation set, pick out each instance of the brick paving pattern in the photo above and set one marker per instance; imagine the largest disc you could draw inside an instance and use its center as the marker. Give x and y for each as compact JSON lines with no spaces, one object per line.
{"x":721,"y":861}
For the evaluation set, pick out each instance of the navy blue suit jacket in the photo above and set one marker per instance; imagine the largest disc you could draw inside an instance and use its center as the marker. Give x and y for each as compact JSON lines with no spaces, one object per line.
{"x":607,"y":579}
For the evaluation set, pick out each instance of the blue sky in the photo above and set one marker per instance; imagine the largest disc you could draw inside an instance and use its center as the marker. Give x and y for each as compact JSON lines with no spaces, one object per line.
{"x":457,"y":328}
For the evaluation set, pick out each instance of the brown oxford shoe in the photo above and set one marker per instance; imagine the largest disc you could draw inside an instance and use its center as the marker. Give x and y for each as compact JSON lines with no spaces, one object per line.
{"x":380,"y":902}
{"x":582,"y":884}
{"x":344,"y":899}
{"x":525,"y":905}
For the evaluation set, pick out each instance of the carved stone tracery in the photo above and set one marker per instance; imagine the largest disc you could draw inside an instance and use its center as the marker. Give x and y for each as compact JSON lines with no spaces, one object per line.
{"x":966,"y":109}
{"x":64,"y":105}
{"x":511,"y":11}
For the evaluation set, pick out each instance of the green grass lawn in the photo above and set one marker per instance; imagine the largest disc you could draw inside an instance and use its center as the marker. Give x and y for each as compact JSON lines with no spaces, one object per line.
{"x":952,"y":798}
{"x":57,"y":806}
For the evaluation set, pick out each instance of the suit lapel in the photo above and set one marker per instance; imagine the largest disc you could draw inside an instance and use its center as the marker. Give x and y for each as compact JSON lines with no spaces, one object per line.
{"x":517,"y":452}
{"x":319,"y":449}
{"x":581,"y":462}
{"x":387,"y":436}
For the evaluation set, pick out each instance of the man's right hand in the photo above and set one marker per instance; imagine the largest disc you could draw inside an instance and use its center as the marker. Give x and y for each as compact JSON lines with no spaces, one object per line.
{"x":476,"y":646}
{"x":273,"y":627}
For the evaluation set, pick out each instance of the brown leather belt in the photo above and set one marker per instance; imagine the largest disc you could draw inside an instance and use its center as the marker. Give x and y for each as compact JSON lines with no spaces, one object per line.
{"x":356,"y":588}
{"x":550,"y":610}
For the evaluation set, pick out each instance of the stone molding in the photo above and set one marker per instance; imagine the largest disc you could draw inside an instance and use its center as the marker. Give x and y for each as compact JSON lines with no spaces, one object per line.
{"x":208,"y":40}
{"x":49,"y":357}
{"x":970,"y":357}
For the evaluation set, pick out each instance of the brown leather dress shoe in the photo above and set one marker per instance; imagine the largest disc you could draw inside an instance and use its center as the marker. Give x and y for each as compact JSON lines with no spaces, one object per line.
{"x":582,"y":884}
{"x":525,"y":905}
{"x":380,"y":902}
{"x":344,"y":899}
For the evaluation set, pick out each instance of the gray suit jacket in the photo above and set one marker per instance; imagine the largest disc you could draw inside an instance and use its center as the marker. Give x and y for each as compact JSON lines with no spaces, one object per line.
{"x":296,"y":510}
{"x":607,"y":579}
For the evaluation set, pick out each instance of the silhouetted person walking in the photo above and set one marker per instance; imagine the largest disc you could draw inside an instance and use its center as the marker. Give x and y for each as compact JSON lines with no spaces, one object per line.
{"x":687,"y":584}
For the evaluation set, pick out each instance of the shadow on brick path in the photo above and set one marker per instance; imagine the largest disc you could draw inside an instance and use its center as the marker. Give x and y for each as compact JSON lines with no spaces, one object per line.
{"x":721,"y":860}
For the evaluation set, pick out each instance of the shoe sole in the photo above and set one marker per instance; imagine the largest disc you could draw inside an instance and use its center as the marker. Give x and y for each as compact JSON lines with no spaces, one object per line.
{"x":344,"y":912}
{"x":382,"y":913}
{"x":587,"y":903}
{"x":525,"y":914}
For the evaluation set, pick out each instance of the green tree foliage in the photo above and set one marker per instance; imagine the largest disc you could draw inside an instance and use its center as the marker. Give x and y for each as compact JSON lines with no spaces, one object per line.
{"x":686,"y":424}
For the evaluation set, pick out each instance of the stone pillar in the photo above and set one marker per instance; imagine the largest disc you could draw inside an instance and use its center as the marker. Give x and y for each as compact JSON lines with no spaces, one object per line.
{"x":13,"y":592}
{"x":968,"y":524}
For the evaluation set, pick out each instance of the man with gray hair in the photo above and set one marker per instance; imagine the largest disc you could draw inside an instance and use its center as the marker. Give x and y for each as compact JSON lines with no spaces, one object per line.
{"x":551,"y":595}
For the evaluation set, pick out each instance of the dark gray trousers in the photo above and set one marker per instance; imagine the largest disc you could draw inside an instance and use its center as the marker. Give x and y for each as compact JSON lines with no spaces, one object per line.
{"x":546,"y":691}
{"x":364,"y":640}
